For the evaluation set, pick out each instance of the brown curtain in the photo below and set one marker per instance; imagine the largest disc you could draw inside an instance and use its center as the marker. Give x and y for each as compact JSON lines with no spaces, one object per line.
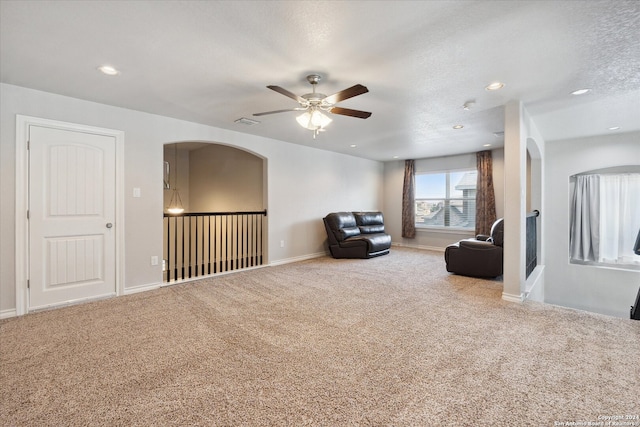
{"x":409,"y":200}
{"x":485,"y":196}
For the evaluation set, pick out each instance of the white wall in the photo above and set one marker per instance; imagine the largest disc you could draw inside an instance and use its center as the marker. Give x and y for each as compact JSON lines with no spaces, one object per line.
{"x":425,"y":238}
{"x":224,"y":179}
{"x":603,"y":290}
{"x":304,"y":184}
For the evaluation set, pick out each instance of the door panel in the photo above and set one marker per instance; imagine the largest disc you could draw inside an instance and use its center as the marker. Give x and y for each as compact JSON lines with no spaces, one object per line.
{"x":74,"y":261}
{"x":71,"y":213}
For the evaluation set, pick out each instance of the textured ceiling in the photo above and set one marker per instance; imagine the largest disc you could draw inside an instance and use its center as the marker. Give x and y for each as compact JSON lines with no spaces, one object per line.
{"x":210,"y":61}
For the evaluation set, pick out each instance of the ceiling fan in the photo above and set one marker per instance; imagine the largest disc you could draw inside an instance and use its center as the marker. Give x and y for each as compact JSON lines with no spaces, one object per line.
{"x":314,"y":104}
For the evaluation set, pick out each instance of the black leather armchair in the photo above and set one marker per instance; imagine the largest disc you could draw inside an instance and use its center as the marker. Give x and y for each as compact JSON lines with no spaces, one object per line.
{"x":356,"y":234}
{"x":479,"y":257}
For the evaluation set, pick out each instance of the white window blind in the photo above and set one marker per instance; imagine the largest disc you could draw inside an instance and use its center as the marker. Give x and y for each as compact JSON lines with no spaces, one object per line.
{"x":446,"y":199}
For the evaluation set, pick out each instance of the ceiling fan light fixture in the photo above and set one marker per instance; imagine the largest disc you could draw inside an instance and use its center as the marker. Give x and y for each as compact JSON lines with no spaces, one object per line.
{"x":313,"y":120}
{"x":315,"y":104}
{"x":320,"y":120}
{"x":304,"y":120}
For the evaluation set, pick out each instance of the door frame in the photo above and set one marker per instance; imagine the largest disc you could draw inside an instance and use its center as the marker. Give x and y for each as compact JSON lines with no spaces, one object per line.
{"x":22,"y":201}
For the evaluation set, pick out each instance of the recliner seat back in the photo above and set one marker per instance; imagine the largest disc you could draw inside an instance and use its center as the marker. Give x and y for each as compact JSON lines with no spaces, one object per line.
{"x":369,"y":222}
{"x":497,"y":232}
{"x":341,"y":225}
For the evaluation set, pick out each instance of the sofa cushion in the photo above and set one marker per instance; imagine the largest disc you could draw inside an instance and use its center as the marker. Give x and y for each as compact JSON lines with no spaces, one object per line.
{"x":368,"y":218}
{"x":345,"y":233}
{"x":339,"y":220}
{"x":375,"y":242}
{"x":369,"y":229}
{"x":379,"y":242}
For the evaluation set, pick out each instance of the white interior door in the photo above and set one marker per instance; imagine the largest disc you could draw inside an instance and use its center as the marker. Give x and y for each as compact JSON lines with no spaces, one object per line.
{"x":72,"y":194}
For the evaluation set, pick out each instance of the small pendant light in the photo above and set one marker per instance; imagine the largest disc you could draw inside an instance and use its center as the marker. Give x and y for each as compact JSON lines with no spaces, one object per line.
{"x":175,"y":204}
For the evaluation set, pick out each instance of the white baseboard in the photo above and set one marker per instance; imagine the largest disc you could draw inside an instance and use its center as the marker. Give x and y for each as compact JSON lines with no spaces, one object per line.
{"x":513,"y":298}
{"x":422,"y":247}
{"x":5,"y":314}
{"x":209,"y":276}
{"x":535,"y":284}
{"x":142,"y":288}
{"x":297,"y":259}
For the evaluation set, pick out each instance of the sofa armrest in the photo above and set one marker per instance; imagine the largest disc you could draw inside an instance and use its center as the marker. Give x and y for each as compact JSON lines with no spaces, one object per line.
{"x":476,"y":244}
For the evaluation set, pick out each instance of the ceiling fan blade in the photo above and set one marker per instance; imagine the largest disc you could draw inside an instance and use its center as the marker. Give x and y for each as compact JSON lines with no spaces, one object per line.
{"x":349,"y":112}
{"x":346,"y":94}
{"x":287,"y":93}
{"x":278,"y":111}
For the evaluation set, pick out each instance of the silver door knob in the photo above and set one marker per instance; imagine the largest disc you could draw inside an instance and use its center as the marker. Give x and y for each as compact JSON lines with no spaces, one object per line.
{"x":109,"y":225}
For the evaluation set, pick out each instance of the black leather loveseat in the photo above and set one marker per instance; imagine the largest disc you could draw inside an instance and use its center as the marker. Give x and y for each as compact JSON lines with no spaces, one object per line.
{"x":356,"y":234}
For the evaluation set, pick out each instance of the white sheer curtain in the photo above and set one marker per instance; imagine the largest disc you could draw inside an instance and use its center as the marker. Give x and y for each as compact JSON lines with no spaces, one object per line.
{"x":605,"y":218}
{"x":619,"y":218}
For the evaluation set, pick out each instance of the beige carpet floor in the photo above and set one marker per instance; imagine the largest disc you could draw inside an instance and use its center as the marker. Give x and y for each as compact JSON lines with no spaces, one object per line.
{"x":390,"y":341}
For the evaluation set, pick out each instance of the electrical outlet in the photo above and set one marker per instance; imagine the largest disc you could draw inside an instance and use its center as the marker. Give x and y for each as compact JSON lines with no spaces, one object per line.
{"x":154,"y":260}
{"x":282,"y":243}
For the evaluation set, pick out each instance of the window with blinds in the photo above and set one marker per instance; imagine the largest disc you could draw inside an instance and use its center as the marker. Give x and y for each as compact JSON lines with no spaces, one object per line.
{"x":446,"y":199}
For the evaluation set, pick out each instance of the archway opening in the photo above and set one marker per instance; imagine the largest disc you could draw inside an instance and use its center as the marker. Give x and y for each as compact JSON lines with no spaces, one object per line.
{"x":223,"y":227}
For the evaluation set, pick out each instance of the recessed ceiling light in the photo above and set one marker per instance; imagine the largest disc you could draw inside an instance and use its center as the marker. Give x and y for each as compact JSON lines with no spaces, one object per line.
{"x":395,"y":157}
{"x":487,"y":145}
{"x":580,"y":91}
{"x":108,"y":70}
{"x":614,"y":128}
{"x":458,"y":126}
{"x":495,"y":86}
{"x":353,"y":146}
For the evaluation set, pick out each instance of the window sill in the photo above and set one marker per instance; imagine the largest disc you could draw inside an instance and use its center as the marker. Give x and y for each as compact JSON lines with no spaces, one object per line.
{"x":606,"y":265}
{"x":445,"y":230}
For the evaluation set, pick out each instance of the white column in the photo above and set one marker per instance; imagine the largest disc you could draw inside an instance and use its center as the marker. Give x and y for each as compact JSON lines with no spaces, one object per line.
{"x":515,"y":194}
